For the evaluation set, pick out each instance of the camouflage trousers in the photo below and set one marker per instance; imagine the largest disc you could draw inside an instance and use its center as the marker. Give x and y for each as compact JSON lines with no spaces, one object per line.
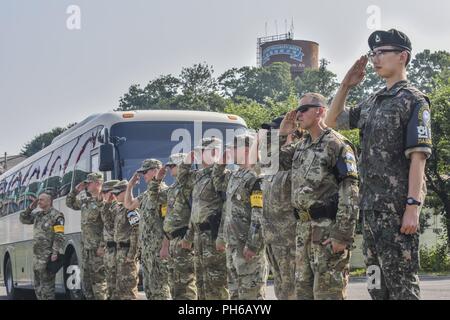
{"x":246,"y":279}
{"x":181,"y":272}
{"x":394,"y":254}
{"x":44,"y":281}
{"x":320,"y":273}
{"x":210,"y":268}
{"x":156,"y":274}
{"x":110,"y":267}
{"x":282,"y":263}
{"x":127,"y":276}
{"x":93,"y":275}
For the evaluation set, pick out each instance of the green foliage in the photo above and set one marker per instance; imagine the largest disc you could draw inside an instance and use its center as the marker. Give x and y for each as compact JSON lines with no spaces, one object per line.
{"x":317,"y":80}
{"x":435,"y":258}
{"x":427,"y":69}
{"x":41,"y":141}
{"x":258,"y":84}
{"x":353,"y":136}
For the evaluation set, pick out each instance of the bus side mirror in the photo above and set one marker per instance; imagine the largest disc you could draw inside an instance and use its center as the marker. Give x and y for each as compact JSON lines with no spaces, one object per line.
{"x":106,"y":157}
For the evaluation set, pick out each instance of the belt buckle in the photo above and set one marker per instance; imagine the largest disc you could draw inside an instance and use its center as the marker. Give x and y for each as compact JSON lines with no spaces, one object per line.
{"x":305,"y":216}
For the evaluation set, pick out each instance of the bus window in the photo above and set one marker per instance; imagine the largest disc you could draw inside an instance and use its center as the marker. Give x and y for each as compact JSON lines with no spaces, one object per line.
{"x":94,"y":161}
{"x":151,"y":139}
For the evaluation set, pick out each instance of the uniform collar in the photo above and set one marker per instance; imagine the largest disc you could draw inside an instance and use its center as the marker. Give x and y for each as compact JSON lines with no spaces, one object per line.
{"x":394,"y":89}
{"x":308,"y":139}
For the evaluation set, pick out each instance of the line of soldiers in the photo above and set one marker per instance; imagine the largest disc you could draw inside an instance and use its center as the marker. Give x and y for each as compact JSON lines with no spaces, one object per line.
{"x":214,"y":232}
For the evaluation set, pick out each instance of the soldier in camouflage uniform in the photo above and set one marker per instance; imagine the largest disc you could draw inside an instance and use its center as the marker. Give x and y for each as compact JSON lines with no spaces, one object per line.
{"x":246,"y":261}
{"x":177,"y":200}
{"x":108,"y":234}
{"x":48,"y":242}
{"x":155,"y":269}
{"x":395,"y":135}
{"x":126,"y":236}
{"x":93,"y":273}
{"x":206,"y":214}
{"x":325,"y":193}
{"x":279,"y":222}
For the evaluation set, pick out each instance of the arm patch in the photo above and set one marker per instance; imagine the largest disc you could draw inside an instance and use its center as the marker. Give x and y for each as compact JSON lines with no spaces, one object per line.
{"x":418,"y":132}
{"x":346,"y":165}
{"x":58,"y":227}
{"x":256,"y":196}
{"x":133,"y":218}
{"x":164,"y":210}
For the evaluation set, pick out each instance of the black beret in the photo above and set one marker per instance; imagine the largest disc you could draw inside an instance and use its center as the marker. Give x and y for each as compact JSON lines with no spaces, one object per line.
{"x":275,"y":124}
{"x":391,"y":37}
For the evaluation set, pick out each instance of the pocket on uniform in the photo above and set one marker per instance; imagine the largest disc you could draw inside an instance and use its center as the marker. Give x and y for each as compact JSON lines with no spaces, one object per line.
{"x":318,"y":235}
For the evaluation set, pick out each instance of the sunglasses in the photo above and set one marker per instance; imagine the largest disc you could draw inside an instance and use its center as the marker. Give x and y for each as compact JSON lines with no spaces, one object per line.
{"x":305,"y":108}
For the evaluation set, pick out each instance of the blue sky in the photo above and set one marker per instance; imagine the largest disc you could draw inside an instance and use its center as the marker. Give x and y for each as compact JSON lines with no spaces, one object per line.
{"x":51,"y":76}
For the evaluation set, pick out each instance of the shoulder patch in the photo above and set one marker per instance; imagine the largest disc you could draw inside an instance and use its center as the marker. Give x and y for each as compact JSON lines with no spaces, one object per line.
{"x":58,"y":227}
{"x":133,"y":217}
{"x":163,"y":210}
{"x":256,"y":196}
{"x":346,"y":164}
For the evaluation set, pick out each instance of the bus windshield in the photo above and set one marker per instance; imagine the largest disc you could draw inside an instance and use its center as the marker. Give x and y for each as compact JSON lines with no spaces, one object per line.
{"x":152,"y":139}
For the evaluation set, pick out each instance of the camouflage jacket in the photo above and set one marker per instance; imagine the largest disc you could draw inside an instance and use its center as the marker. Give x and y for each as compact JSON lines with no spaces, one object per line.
{"x":393,"y":123}
{"x":108,"y":217}
{"x":242,"y":221}
{"x":126,"y":227}
{"x":206,"y":200}
{"x":152,"y":212}
{"x":176,"y":199}
{"x":48,"y":231}
{"x":91,"y":220}
{"x":321,"y":170}
{"x":278,"y":221}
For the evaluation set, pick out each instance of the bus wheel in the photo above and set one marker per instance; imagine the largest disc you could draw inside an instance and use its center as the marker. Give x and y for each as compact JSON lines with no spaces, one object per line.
{"x":11,"y":291}
{"x":72,"y":278}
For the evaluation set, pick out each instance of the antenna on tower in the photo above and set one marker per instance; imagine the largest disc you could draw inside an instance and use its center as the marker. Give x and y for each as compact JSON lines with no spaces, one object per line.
{"x":285,"y":26}
{"x":292,"y":25}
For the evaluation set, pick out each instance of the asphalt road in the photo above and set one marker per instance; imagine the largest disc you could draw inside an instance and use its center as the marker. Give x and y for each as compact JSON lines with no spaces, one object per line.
{"x":433,"y":288}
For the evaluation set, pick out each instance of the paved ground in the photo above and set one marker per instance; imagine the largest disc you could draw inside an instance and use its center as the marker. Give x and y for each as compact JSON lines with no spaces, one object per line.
{"x":433,"y":288}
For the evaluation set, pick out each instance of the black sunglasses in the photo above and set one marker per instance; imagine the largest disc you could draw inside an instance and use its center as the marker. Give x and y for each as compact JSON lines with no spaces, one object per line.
{"x":305,"y":108}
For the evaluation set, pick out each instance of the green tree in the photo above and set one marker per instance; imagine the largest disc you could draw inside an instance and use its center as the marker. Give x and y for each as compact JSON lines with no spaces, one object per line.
{"x":194,"y":89}
{"x":438,"y":166}
{"x":319,"y":80}
{"x":259,"y":84}
{"x":41,"y":141}
{"x":427,"y":68}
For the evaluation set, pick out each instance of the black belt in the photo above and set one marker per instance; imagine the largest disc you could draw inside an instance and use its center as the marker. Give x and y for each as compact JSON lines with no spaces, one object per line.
{"x":110,"y":244}
{"x":181,"y":232}
{"x":204,"y":226}
{"x":124,"y":244}
{"x":327,"y":211}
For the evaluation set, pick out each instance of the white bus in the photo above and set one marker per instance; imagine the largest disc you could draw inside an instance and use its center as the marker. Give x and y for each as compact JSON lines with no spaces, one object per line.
{"x":115,"y":143}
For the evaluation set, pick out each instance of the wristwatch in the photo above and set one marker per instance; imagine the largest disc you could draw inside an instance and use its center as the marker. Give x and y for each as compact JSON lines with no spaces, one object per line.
{"x":411,"y":202}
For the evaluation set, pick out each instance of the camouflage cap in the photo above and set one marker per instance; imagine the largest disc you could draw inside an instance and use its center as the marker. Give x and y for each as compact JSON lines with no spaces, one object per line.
{"x":120,"y":187}
{"x":109,"y":185}
{"x":148,"y":164}
{"x":94,"y":177}
{"x":210,"y":143}
{"x":176,"y":159}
